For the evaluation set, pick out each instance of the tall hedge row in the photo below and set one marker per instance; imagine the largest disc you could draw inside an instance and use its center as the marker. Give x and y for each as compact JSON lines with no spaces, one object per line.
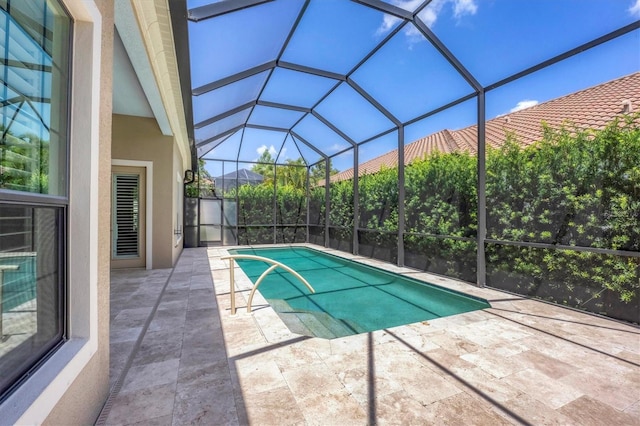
{"x":572,"y":188}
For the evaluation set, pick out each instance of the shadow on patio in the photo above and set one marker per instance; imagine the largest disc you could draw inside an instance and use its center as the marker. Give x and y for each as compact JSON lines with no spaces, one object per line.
{"x":178,"y":357}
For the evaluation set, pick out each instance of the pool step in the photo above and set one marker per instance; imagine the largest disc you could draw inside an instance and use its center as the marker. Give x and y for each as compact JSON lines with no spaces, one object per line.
{"x":308,"y":323}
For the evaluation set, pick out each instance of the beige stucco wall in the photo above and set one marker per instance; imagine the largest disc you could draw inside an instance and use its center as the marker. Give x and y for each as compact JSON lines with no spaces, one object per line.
{"x":139,"y":138}
{"x":178,"y":194}
{"x":83,"y":400}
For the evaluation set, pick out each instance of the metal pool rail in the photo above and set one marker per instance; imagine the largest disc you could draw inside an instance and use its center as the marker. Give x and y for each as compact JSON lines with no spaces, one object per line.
{"x":274,"y":264}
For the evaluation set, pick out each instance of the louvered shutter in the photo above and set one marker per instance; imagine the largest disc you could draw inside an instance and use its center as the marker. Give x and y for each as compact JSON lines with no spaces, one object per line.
{"x":127,"y":215}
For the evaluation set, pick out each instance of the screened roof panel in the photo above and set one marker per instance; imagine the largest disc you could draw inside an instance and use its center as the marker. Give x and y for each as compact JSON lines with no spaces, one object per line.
{"x":569,"y":76}
{"x":322,"y":137}
{"x":205,"y":148}
{"x":515,"y":35}
{"x":335,"y":35}
{"x":343,"y":161}
{"x":409,"y":5}
{"x":409,"y":77}
{"x":228,"y":97}
{"x":289,"y":151}
{"x":340,"y":107}
{"x":274,"y":117}
{"x":343,"y":67}
{"x":197,"y":3}
{"x":220,"y":126}
{"x":296,"y":88}
{"x":376,"y":148}
{"x":256,"y":141}
{"x":233,"y":42}
{"x":309,"y":155}
{"x":455,"y":118}
{"x":228,"y":149}
{"x":23,"y":119}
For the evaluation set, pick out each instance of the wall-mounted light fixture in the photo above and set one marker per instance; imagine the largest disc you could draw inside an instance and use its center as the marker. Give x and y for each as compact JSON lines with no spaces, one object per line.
{"x":188,"y":176}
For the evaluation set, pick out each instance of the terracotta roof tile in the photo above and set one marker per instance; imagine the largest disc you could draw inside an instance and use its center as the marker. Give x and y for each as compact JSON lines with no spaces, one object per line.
{"x":593,"y":107}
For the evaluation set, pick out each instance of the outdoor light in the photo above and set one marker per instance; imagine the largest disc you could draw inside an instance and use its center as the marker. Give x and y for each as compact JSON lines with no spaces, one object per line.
{"x":188,"y":176}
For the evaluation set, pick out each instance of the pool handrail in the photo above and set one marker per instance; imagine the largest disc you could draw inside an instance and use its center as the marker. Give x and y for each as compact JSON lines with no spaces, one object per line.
{"x":274,"y":264}
{"x":2,"y":269}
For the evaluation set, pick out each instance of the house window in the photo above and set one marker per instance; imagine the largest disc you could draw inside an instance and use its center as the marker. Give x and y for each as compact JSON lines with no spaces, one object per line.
{"x":35,"y":49}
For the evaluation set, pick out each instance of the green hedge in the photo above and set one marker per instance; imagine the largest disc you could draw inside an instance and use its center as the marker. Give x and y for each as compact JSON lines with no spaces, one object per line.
{"x":574,"y":188}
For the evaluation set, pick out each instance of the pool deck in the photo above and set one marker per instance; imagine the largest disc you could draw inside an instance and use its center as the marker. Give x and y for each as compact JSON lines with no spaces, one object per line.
{"x":178,"y":357}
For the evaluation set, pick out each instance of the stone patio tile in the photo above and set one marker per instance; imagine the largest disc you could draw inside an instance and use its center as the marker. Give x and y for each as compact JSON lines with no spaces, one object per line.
{"x":633,"y":357}
{"x":156,"y":421}
{"x":120,"y":334}
{"x":256,"y":377}
{"x":158,"y":346}
{"x":141,"y":406}
{"x":140,"y":300}
{"x":421,"y":343}
{"x":119,"y":353}
{"x":399,"y":408}
{"x":478,"y":382}
{"x":294,"y":355}
{"x":212,"y":374}
{"x":587,"y":411}
{"x":346,"y":361}
{"x":608,"y":386}
{"x":202,"y":352}
{"x":150,"y":375}
{"x":551,"y":392}
{"x":201,"y":299}
{"x":129,"y":318}
{"x":455,"y":344}
{"x":494,"y":364}
{"x":462,"y":409}
{"x":204,"y":402}
{"x":525,"y":409}
{"x":634,"y":410}
{"x":363,"y":386}
{"x":272,"y":327}
{"x":547,"y":365}
{"x":274,"y":407}
{"x":335,"y":408}
{"x":440,"y":359}
{"x":425,"y":385}
{"x":173,"y":305}
{"x":311,"y":379}
{"x":250,"y":369}
{"x":163,"y":320}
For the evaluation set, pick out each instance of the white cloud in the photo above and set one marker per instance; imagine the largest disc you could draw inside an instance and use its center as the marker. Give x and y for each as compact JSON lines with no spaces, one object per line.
{"x":460,"y":8}
{"x":263,"y":148}
{"x":464,"y":7}
{"x":634,"y":9}
{"x":388,"y":22}
{"x":429,"y":15}
{"x":523,"y":104}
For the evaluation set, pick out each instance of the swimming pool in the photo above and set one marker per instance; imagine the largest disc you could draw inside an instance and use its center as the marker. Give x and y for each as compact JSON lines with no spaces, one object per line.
{"x":350,"y":297}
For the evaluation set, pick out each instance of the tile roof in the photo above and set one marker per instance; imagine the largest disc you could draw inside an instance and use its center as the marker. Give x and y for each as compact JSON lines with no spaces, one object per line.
{"x":592,"y":108}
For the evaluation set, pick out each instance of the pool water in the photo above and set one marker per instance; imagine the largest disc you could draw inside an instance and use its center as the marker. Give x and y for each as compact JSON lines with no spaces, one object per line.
{"x":350,"y":298}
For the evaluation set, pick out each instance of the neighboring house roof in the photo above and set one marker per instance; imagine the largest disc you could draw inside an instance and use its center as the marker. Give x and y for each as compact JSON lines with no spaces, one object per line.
{"x":592,"y":108}
{"x":242,"y":174}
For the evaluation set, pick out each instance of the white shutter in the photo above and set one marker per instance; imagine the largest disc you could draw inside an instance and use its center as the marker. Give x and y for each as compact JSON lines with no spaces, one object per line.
{"x":127,"y":215}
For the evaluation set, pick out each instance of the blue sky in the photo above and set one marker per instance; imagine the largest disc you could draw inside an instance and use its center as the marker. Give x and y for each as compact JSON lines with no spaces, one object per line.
{"x":492,"y":39}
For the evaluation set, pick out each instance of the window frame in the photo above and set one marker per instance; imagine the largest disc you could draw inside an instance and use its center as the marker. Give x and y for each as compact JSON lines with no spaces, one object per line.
{"x":58,"y":203}
{"x":38,"y":395}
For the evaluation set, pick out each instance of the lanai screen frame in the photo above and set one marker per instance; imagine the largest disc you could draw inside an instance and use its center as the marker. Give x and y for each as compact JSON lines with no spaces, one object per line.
{"x":180,"y":18}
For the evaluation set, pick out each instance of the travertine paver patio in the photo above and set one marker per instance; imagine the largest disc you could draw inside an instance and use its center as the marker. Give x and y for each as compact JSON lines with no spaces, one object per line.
{"x":179,"y":357}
